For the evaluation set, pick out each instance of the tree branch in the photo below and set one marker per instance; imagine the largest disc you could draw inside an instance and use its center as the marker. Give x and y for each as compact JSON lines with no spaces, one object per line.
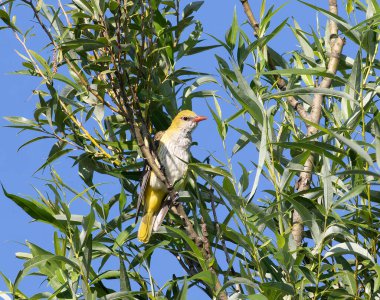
{"x":305,"y":177}
{"x":131,"y":111}
{"x":250,"y":16}
{"x":315,"y":114}
{"x":280,"y":82}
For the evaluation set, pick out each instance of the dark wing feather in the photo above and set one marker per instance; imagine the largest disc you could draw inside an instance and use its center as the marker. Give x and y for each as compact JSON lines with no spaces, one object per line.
{"x":143,"y":183}
{"x":146,"y":176}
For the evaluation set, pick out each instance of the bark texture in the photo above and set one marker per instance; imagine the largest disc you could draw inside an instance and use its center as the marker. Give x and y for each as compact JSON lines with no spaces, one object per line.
{"x":315,"y":114}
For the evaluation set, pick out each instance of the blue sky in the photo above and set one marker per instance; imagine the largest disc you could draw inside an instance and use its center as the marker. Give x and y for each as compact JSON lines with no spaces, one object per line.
{"x":17,"y":168}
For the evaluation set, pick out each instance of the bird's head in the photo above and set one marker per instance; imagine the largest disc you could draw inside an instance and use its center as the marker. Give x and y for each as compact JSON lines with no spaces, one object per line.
{"x":186,"y":120}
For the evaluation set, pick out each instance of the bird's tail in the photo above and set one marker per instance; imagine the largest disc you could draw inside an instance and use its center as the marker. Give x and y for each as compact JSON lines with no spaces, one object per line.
{"x":145,"y":229}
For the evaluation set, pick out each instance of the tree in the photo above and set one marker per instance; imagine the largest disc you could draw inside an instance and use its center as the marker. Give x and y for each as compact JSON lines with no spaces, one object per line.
{"x":312,"y":117}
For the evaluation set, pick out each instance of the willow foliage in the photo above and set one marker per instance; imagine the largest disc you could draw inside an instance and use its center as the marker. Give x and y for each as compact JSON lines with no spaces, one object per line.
{"x":299,"y":218}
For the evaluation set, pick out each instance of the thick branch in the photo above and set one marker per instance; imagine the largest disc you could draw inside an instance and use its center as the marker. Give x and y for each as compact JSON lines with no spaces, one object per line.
{"x":189,"y":228}
{"x":250,"y":16}
{"x":333,"y":8}
{"x":297,"y":106}
{"x":316,"y":110}
{"x":305,"y":177}
{"x":337,"y":44}
{"x":202,"y":243}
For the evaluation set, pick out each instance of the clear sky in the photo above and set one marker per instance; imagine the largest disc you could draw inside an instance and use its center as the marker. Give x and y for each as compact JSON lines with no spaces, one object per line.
{"x":17,"y":168}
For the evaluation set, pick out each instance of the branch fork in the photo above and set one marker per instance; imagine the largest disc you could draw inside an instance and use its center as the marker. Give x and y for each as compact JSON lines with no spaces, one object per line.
{"x":315,"y":114}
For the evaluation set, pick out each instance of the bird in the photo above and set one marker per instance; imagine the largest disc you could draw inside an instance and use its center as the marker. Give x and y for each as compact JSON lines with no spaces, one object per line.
{"x":173,"y":155}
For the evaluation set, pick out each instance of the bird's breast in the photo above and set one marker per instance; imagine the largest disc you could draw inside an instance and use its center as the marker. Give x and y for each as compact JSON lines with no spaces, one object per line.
{"x":174,"y":156}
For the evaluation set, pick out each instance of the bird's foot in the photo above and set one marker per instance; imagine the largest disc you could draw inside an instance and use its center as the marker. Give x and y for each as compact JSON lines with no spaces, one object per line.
{"x":174,"y":201}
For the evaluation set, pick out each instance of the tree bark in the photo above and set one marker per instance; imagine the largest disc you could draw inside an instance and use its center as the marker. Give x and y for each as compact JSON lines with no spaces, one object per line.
{"x":336,"y":43}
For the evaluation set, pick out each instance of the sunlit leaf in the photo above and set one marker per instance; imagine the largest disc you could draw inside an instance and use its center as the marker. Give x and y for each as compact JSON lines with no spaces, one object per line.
{"x":349,"y":248}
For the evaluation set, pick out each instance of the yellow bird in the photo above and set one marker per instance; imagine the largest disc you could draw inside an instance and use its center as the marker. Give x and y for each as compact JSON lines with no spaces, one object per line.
{"x":173,"y":153}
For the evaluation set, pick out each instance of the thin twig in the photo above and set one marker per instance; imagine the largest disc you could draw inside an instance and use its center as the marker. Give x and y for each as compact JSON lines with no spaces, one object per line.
{"x":280,"y":82}
{"x":220,"y":237}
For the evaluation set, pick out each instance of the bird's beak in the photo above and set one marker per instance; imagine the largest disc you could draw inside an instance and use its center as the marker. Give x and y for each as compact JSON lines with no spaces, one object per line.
{"x":197,"y":119}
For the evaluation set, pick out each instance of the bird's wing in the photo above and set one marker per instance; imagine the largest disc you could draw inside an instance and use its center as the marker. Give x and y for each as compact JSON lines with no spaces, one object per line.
{"x":160,"y":216}
{"x":143,"y":184}
{"x":146,"y":176}
{"x":157,"y":138}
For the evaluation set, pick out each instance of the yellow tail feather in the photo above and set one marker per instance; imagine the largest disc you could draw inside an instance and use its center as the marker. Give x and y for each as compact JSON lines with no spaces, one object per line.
{"x":145,"y":229}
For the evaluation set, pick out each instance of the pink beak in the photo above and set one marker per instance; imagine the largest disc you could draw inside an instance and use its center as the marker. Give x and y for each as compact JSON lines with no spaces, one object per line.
{"x":199,"y":118}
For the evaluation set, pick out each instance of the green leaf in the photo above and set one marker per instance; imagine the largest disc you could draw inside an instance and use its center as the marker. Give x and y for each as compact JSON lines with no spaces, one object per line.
{"x":328,"y":191}
{"x":326,"y":236}
{"x":353,"y":88}
{"x":277,"y":290}
{"x":308,"y":274}
{"x":350,"y":143}
{"x":236,"y":280}
{"x":86,"y":169}
{"x":307,"y":214}
{"x":7,"y":282}
{"x":20,"y":121}
{"x":54,"y":155}
{"x":195,"y":50}
{"x":121,"y":295}
{"x":308,"y":91}
{"x":33,"y":140}
{"x":263,"y":42}
{"x":194,"y":249}
{"x":244,"y":139}
{"x":323,"y":149}
{"x":6,"y":19}
{"x":244,"y":179}
{"x":74,"y":219}
{"x":352,"y":193}
{"x":125,"y":284}
{"x":205,"y":276}
{"x":85,"y":6}
{"x":245,"y":96}
{"x":305,"y":44}
{"x":189,"y":94}
{"x":263,"y":150}
{"x":346,"y":28}
{"x":47,"y":264}
{"x":88,"y":226}
{"x":262,"y":9}
{"x":66,"y":80}
{"x":349,"y":6}
{"x":43,"y":62}
{"x":191,"y":7}
{"x":232,"y":33}
{"x":83,"y":45}
{"x":183,"y":293}
{"x":318,"y":71}
{"x":121,"y":239}
{"x":218,"y":119}
{"x":349,"y":248}
{"x":209,"y":169}
{"x":33,"y":208}
{"x":122,"y":200}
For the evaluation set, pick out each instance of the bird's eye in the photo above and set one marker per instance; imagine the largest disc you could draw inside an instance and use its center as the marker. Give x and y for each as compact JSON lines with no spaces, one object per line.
{"x":185,"y":118}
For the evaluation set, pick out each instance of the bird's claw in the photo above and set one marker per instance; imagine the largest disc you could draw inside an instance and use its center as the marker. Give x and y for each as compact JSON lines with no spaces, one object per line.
{"x":175,"y":202}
